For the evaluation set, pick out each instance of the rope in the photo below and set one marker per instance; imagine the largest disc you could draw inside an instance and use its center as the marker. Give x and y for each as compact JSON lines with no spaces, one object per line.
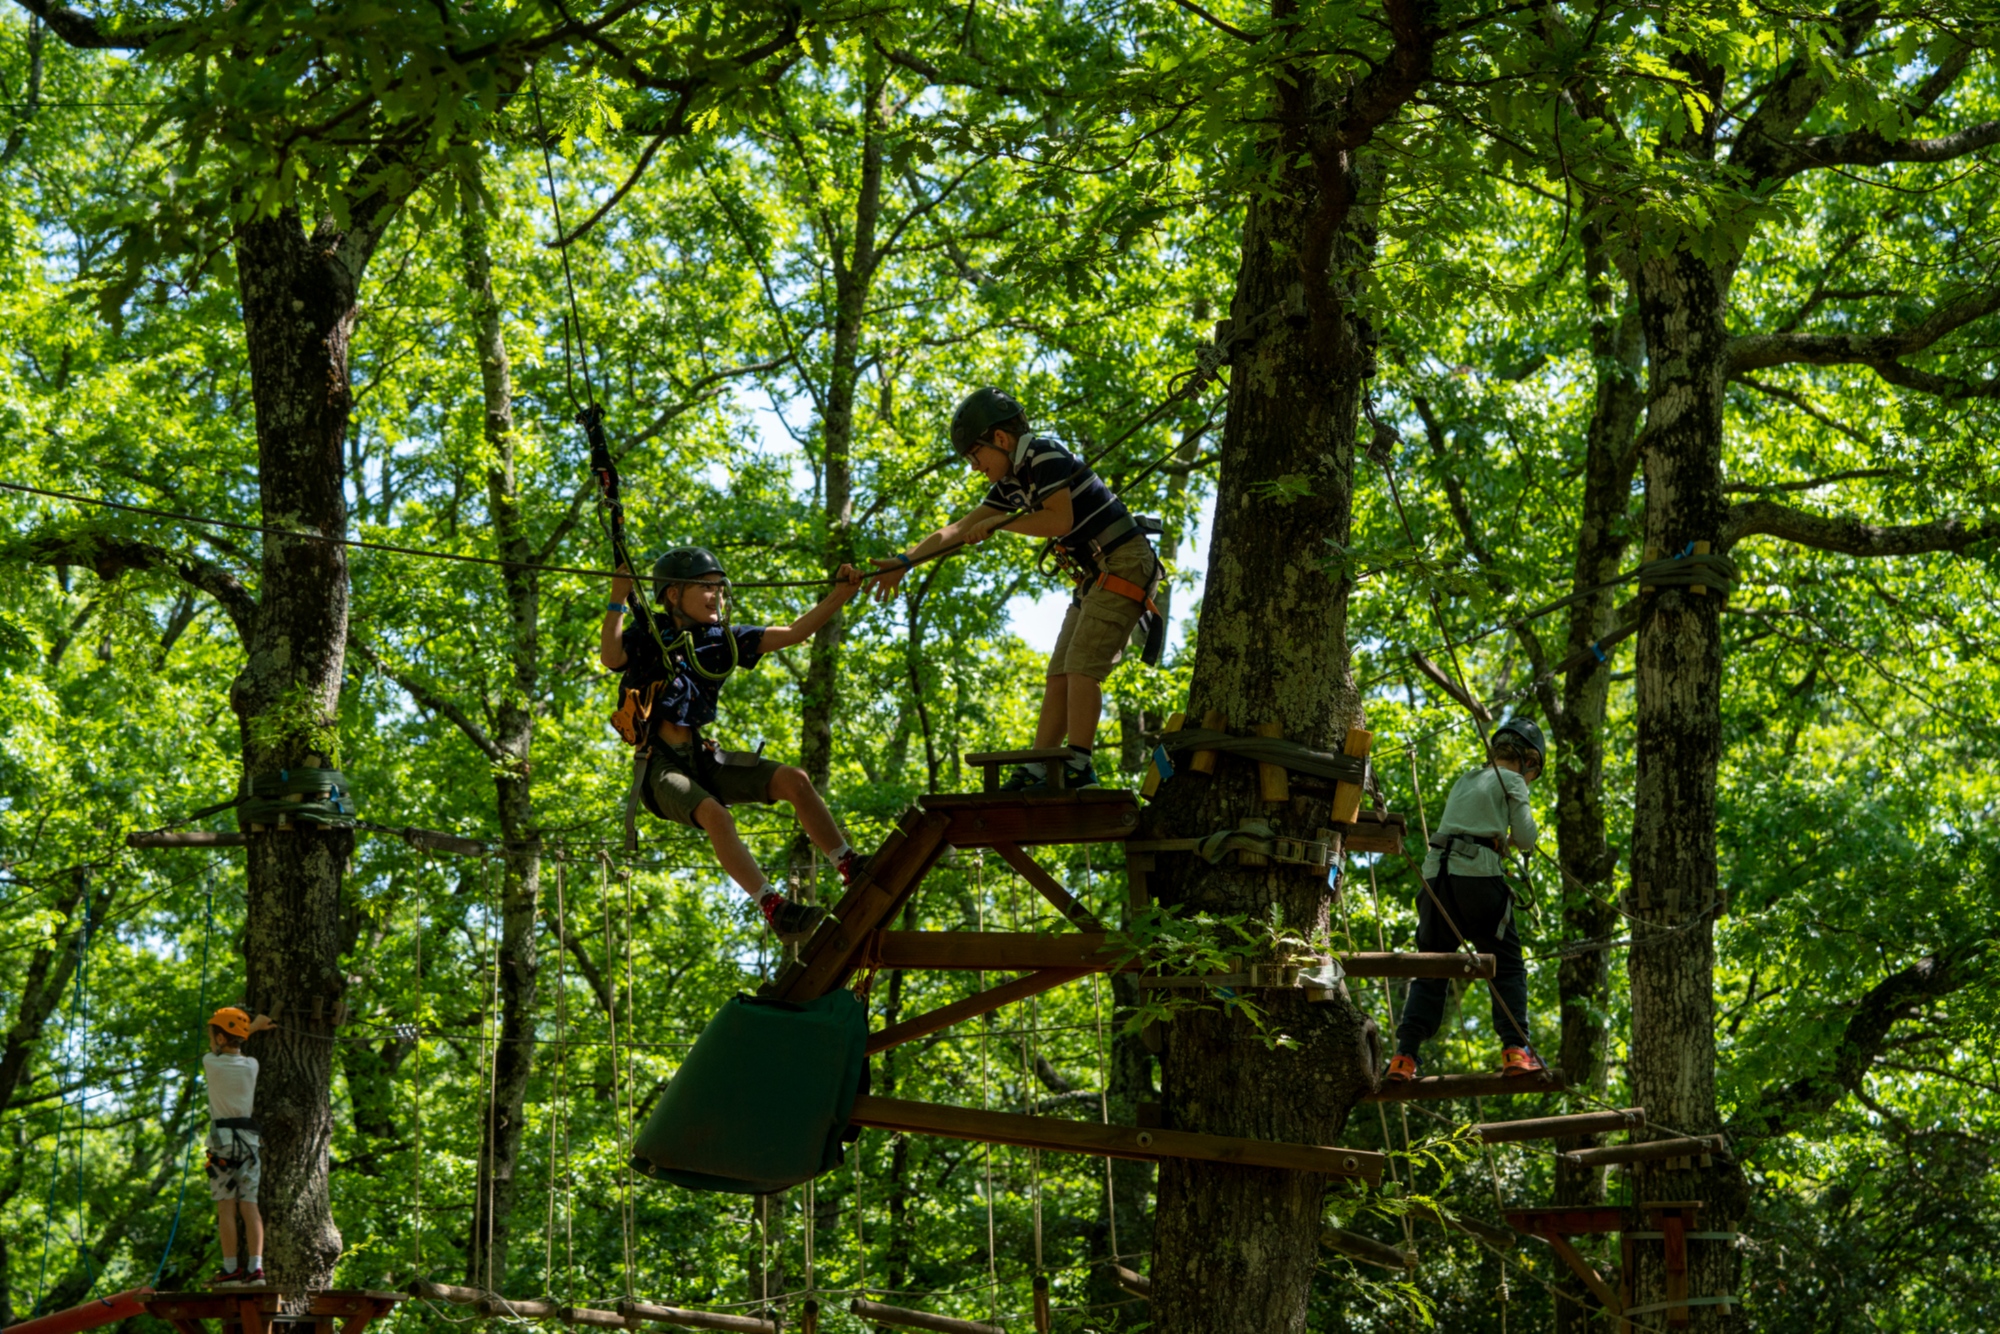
{"x":569,"y":281}
{"x":562,"y":1099}
{"x":417,"y":1084}
{"x":187,"y":1143}
{"x":489,"y":1187}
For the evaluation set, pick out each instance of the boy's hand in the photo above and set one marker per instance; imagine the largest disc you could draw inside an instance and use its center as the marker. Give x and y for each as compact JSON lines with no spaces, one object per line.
{"x":621,"y":587}
{"x":262,"y":1022}
{"x":845,"y":585}
{"x":889,"y":572}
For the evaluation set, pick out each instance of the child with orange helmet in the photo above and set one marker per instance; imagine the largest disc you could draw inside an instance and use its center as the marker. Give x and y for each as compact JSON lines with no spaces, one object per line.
{"x":233,"y":1140}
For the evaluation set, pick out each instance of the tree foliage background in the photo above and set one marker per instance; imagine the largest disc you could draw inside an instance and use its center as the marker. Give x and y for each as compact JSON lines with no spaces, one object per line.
{"x":907,"y":206}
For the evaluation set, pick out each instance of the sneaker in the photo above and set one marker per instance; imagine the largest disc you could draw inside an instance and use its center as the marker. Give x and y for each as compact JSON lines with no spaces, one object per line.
{"x":1022,"y":779}
{"x":251,"y":1277}
{"x":1520,"y":1061}
{"x":231,"y":1277}
{"x":1401,"y":1069}
{"x":792,"y":921}
{"x":852,"y":868}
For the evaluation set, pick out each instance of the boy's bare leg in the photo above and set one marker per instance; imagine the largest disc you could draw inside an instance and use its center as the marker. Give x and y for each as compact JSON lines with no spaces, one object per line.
{"x":791,"y":785}
{"x":253,"y":1230}
{"x":1055,"y":713}
{"x":716,"y":822}
{"x":1086,"y":701}
{"x":225,"y":1226}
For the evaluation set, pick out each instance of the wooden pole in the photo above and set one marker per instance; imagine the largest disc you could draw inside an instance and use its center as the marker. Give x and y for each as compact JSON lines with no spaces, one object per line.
{"x":589,"y":1316}
{"x":1650,"y":1152}
{"x":1048,"y":887}
{"x":1041,"y":1305}
{"x":1417,"y":965}
{"x":1434,"y":1087}
{"x":1135,"y":1283}
{"x":506,"y":1308}
{"x":972,"y":1007}
{"x":673,"y":1315}
{"x":1367,"y":1250}
{"x":444,"y":1292}
{"x":1215,"y":720}
{"x":897,"y":1316}
{"x":1555,"y":1127}
{"x":1107,"y":1141}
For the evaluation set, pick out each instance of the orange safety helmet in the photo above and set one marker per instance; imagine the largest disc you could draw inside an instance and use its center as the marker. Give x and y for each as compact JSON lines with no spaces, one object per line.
{"x":231,"y":1021}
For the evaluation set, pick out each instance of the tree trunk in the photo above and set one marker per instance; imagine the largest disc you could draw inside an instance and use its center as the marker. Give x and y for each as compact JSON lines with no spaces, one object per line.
{"x":853,"y":274}
{"x":299,"y":305}
{"x":1586,"y":855}
{"x":1682,"y":304}
{"x":513,"y":735}
{"x":1236,"y":1248}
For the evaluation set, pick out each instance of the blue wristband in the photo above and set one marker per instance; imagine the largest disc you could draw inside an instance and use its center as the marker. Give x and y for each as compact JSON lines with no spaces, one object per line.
{"x":614,"y":606}
{"x":904,"y":557}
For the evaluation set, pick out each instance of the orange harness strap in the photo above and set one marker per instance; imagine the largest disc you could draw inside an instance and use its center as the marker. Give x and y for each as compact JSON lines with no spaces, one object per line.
{"x":1125,"y":588}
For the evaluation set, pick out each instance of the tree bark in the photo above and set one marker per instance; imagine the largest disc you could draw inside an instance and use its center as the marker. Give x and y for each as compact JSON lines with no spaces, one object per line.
{"x":511,"y":745}
{"x":299,"y":293}
{"x":1683,"y":306}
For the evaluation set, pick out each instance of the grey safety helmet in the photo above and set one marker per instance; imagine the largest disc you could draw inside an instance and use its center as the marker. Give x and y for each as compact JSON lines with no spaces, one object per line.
{"x":981,"y":411}
{"x":1529,"y":735}
{"x":683,"y":565}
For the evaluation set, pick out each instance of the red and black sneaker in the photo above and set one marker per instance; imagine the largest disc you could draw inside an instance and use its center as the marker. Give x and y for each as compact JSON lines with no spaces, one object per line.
{"x":792,"y":921}
{"x":251,"y":1276}
{"x":852,"y":867}
{"x":229,"y":1278}
{"x":1520,"y":1061}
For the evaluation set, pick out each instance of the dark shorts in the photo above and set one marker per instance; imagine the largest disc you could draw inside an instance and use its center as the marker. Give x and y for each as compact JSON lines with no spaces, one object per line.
{"x":680,"y":778}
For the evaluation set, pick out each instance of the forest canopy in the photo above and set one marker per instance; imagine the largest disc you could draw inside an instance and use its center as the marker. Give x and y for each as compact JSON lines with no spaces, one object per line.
{"x":1618,"y":368}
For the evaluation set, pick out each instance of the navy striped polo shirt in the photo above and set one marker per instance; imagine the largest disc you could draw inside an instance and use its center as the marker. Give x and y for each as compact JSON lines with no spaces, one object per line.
{"x":1041,"y":468}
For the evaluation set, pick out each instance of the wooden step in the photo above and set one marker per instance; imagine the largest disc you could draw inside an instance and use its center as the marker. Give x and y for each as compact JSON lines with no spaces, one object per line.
{"x":1434,"y":1087}
{"x":1375,"y":831}
{"x":1652,"y":1151}
{"x":673,"y":1315}
{"x":1558,"y":1127}
{"x":1091,"y":1137}
{"x":1417,"y":965}
{"x":1020,"y":951}
{"x":902,"y":1318}
{"x":1093,"y":815}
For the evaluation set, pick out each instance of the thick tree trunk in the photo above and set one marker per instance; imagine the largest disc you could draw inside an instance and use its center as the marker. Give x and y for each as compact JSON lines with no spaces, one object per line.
{"x":1236,"y":1248}
{"x":299,"y":295}
{"x":513,"y":737}
{"x":1682,"y":303}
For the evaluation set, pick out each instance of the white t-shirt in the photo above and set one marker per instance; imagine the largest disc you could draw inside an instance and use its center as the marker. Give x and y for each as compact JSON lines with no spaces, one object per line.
{"x":232,"y":1083}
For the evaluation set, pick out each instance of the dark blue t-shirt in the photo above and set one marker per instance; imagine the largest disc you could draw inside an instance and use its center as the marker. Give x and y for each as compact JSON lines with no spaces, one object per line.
{"x":688,"y":697}
{"x":1045,"y":468}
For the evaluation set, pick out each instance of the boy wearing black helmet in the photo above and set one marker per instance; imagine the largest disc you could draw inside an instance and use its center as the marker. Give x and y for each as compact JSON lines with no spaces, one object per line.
{"x":1039,"y":489}
{"x":1464,"y":870}
{"x":673,"y":661}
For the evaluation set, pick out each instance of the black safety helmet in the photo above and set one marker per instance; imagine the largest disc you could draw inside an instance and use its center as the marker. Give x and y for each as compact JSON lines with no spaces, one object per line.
{"x":982,"y":410}
{"x":1527,"y":733}
{"x":683,"y":565}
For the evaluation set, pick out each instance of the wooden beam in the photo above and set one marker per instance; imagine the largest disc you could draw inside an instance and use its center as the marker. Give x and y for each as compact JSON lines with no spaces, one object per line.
{"x":186,"y":838}
{"x":995,"y":951}
{"x":1048,"y":1132}
{"x":673,"y":1315}
{"x":893,"y":873}
{"x":523,"y":1309}
{"x":1033,"y":755}
{"x":444,"y":1292}
{"x":1092,"y":815}
{"x":904,"y":1319}
{"x":1433,"y":1087}
{"x":1034,"y":984}
{"x":1416,"y":965}
{"x":1049,"y":887}
{"x":1555,"y":1127}
{"x":1347,"y":796}
{"x":1367,"y":1250}
{"x":1650,"y":1152}
{"x":1563,"y":1218}
{"x":1585,"y":1271}
{"x":1274,"y":786}
{"x":1132,"y":1281}
{"x":1375,"y":831}
{"x":1500,"y":1238}
{"x":1215,"y":720}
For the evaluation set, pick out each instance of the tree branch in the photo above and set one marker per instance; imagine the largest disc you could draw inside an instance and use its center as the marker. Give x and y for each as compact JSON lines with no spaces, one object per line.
{"x":430,"y":698}
{"x":1782,"y":1107}
{"x":1866,"y":148}
{"x":1852,"y":537}
{"x":112,"y":556}
{"x":86,"y":31}
{"x":1756,"y":351}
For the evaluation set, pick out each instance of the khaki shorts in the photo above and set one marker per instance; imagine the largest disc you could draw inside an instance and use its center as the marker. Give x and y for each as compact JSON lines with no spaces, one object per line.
{"x":242,"y":1152}
{"x":680,"y":779}
{"x":1099,"y":623}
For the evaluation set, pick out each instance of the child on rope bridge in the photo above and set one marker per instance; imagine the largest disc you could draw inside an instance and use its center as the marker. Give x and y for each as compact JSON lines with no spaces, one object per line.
{"x":233,"y":1141}
{"x":674,"y":661}
{"x":1465,"y":874}
{"x":1040,"y":489}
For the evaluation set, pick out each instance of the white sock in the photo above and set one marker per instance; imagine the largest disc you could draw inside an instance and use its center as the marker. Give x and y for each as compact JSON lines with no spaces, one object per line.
{"x":228,"y":1264}
{"x":1037,"y":768}
{"x":1079,"y":757}
{"x":843,"y":850}
{"x":256,"y":1263}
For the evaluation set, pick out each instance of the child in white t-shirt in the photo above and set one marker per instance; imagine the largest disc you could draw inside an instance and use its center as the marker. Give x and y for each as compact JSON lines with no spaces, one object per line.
{"x":233,"y":1141}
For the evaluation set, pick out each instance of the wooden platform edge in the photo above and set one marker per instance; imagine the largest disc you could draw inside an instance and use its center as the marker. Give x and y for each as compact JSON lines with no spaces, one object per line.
{"x":1434,"y":1087}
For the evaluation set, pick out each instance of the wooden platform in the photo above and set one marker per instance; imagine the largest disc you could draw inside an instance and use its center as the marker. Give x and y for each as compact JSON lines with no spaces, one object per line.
{"x":629,"y":1314}
{"x":252,"y":1310}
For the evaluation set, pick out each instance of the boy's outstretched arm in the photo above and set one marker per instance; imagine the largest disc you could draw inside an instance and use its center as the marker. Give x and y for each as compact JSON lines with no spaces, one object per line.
{"x":845,"y":585}
{"x":1053,"y":519}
